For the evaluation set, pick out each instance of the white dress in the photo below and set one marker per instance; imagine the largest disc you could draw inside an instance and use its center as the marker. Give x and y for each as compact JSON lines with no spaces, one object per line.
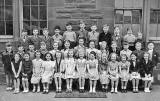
{"x":81,"y":68}
{"x":48,"y":67}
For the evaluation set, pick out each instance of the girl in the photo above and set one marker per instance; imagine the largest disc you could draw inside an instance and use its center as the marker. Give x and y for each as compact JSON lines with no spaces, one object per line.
{"x":58,"y":71}
{"x":69,"y":68}
{"x":37,"y":72}
{"x":7,"y":57}
{"x":134,"y":72}
{"x":92,"y":68}
{"x":48,"y":72}
{"x":147,"y":71}
{"x":124,"y":72}
{"x":66,"y":49}
{"x":113,"y":66}
{"x":26,"y":72}
{"x":16,"y":68}
{"x":104,"y":77}
{"x":43,"y":50}
{"x":103,"y":49}
{"x":81,"y":69}
{"x":55,"y":48}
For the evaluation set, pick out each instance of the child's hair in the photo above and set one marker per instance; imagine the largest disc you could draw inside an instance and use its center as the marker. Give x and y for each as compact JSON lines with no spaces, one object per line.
{"x":57,"y":27}
{"x":56,"y":54}
{"x":26,"y":53}
{"x":146,"y":53}
{"x":116,"y":27}
{"x":123,"y":55}
{"x":80,"y":52}
{"x":94,"y":53}
{"x":66,"y":41}
{"x":8,"y":44}
{"x":112,"y":55}
{"x":70,"y":51}
{"x":129,"y":28}
{"x":18,"y":55}
{"x":113,"y":42}
{"x":134,"y":53}
{"x":150,"y":42}
{"x":45,"y":29}
{"x":50,"y":55}
{"x":69,"y":24}
{"x":105,"y":25}
{"x":35,"y":28}
{"x":37,"y":51}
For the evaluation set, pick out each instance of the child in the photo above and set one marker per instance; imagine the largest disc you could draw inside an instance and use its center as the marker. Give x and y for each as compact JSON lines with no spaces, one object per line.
{"x":58,"y":71}
{"x":117,"y":37}
{"x":114,"y":48}
{"x":69,"y":68}
{"x":43,"y":50}
{"x":124,"y":72}
{"x":103,"y":49}
{"x":31,"y":51}
{"x":126,"y":50}
{"x":57,"y":37}
{"x":16,"y":68}
{"x":37,"y":71}
{"x":80,"y":47}
{"x":7,"y":57}
{"x":82,"y":33}
{"x":55,"y":48}
{"x":147,"y":71}
{"x":66,"y":49}
{"x":94,"y":35}
{"x":103,"y":69}
{"x":26,"y":72}
{"x":113,"y":66}
{"x":92,"y":67}
{"x":47,"y":39}
{"x":48,"y":72}
{"x":134,"y":72}
{"x":140,"y":39}
{"x":105,"y":35}
{"x":130,"y":38}
{"x":35,"y":39}
{"x":81,"y":69}
{"x":21,"y":51}
{"x":138,"y":51}
{"x":70,"y":35}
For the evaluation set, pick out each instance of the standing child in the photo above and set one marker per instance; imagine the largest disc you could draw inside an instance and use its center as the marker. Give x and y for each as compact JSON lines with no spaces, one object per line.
{"x":55,"y":48}
{"x":125,"y":50}
{"x":114,"y":48}
{"x":124,"y":72}
{"x":69,"y":68}
{"x":43,"y":50}
{"x":140,"y":39}
{"x":7,"y":57}
{"x":16,"y":68}
{"x":92,"y":68}
{"x":66,"y":49}
{"x":37,"y":72}
{"x":103,"y":69}
{"x":58,"y":71}
{"x":48,"y":72}
{"x":70,"y":35}
{"x":31,"y":51}
{"x":113,"y":66}
{"x":147,"y":71}
{"x":21,"y":51}
{"x":103,"y":49}
{"x":81,"y":69}
{"x":26,"y":72}
{"x":134,"y":72}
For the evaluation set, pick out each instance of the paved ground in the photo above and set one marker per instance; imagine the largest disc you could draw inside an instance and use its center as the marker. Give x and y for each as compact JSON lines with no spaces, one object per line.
{"x":9,"y":96}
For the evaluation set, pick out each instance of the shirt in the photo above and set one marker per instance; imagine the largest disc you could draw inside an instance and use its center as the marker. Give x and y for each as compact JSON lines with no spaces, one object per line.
{"x":69,"y":35}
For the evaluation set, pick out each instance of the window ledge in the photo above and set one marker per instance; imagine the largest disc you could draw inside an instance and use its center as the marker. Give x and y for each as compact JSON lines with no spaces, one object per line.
{"x":6,"y":38}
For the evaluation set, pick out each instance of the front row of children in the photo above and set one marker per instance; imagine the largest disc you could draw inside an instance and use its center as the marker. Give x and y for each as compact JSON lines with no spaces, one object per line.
{"x":111,"y":71}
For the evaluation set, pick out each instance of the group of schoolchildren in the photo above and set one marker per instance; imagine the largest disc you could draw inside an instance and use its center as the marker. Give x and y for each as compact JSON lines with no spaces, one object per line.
{"x":82,"y":55}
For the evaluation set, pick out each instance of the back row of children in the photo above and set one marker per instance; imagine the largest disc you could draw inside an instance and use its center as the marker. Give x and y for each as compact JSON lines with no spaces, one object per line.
{"x":106,"y":59}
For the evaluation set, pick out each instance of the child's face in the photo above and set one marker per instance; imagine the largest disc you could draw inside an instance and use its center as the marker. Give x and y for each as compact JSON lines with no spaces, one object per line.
{"x":114,"y":45}
{"x":123,"y":58}
{"x":69,"y":27}
{"x":70,"y":54}
{"x":150,"y":46}
{"x":31,"y":47}
{"x":139,"y":36}
{"x":104,"y":56}
{"x":92,"y":45}
{"x":81,"y":41}
{"x":138,"y":46}
{"x":129,"y":31}
{"x":24,"y":33}
{"x":117,"y":30}
{"x":113,"y":57}
{"x":81,"y":54}
{"x":9,"y":48}
{"x":43,"y":46}
{"x":92,"y":56}
{"x":58,"y":55}
{"x":82,"y":25}
{"x":146,"y":56}
{"x":35,"y":32}
{"x":55,"y":45}
{"x":20,"y":48}
{"x":94,"y":28}
{"x":45,"y":32}
{"x":57,"y":31}
{"x":103,"y":45}
{"x":133,"y":57}
{"x":38,"y":54}
{"x":126,"y":46}
{"x":16,"y":57}
{"x":48,"y":57}
{"x":26,"y":56}
{"x":106,"y":28}
{"x":67,"y":45}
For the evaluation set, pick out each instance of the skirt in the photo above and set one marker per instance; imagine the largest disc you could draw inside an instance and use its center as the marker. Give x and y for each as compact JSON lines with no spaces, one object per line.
{"x":58,"y":75}
{"x":47,"y":77}
{"x":104,"y":78}
{"x":35,"y":79}
{"x":147,"y":79}
{"x":114,"y":77}
{"x":93,"y":75}
{"x":124,"y":76}
{"x":135,"y":75}
{"x":70,"y":75}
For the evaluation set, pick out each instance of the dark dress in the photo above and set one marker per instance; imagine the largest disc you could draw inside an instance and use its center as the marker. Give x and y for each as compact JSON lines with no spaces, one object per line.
{"x":27,"y":68}
{"x":135,"y":68}
{"x":16,"y":66}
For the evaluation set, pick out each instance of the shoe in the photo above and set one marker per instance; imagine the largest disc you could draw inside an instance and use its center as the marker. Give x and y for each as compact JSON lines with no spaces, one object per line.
{"x":47,"y":91}
{"x":90,"y":91}
{"x":27,"y":90}
{"x":24,"y":91}
{"x":34,"y":90}
{"x":8,"y":88}
{"x":112,"y":90}
{"x":94,"y":91}
{"x":67,"y":91}
{"x":38,"y":90}
{"x":115,"y":91}
{"x":122,"y":90}
{"x":147,"y":90}
{"x":44,"y":92}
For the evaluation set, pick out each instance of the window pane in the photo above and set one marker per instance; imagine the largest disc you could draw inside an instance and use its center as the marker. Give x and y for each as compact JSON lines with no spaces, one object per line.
{"x":34,"y":13}
{"x":159,"y":17}
{"x":26,"y":13}
{"x":9,"y":27}
{"x":8,"y":2}
{"x":1,"y":2}
{"x":119,"y":17}
{"x":26,"y":25}
{"x":43,"y":13}
{"x":42,"y":2}
{"x":34,"y":2}
{"x":8,"y":13}
{"x":2,"y":28}
{"x":127,"y":17}
{"x":1,"y":12}
{"x":34,"y":24}
{"x":136,"y":15}
{"x":153,"y":17}
{"x":43,"y":24}
{"x":26,"y":2}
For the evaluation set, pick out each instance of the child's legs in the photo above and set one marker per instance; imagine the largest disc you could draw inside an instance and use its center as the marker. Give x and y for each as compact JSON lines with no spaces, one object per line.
{"x":70,"y":83}
{"x":91,"y":83}
{"x":149,"y":84}
{"x":122,"y":84}
{"x":15,"y":84}
{"x":56,"y":82}
{"x":7,"y":80}
{"x":47,"y":86}
{"x":94,"y":83}
{"x":145,"y":84}
{"x":80,"y":82}
{"x":24,"y":83}
{"x":116,"y":83}
{"x":125,"y":84}
{"x":133,"y":83}
{"x":112,"y":83}
{"x":67,"y":80}
{"x":27,"y":83}
{"x":59,"y":82}
{"x":10,"y":80}
{"x":44,"y":86}
{"x":18,"y":83}
{"x":137,"y":83}
{"x":83,"y":83}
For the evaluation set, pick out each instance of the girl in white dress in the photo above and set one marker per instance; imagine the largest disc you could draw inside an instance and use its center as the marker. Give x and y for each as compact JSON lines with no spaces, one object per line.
{"x":37,"y":71}
{"x":66,"y":49}
{"x":69,"y":68}
{"x":48,"y":72}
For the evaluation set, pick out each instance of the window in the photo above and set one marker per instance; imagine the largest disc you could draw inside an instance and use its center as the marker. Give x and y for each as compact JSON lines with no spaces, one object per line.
{"x":6,"y":17}
{"x":34,"y":14}
{"x":155,"y":17}
{"x":128,"y":16}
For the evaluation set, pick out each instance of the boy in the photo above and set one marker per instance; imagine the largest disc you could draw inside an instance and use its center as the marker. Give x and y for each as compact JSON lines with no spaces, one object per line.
{"x":125,"y":50}
{"x":140,"y":39}
{"x":31,"y":51}
{"x":21,"y":51}
{"x":70,"y":35}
